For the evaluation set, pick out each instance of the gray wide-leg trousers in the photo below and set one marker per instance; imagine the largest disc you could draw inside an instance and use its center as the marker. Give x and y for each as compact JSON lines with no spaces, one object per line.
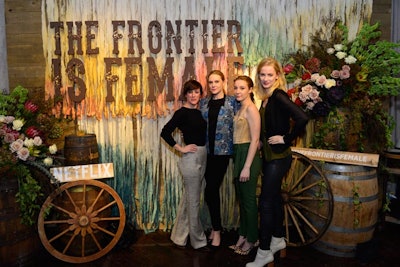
{"x":187,"y":222}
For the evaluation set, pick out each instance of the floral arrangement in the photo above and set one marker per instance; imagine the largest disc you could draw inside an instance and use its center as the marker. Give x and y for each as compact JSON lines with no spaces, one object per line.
{"x":344,"y":86}
{"x":26,"y":129}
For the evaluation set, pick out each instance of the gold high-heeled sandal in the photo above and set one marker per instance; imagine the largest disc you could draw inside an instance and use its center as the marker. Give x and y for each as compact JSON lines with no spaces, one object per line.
{"x":238,"y":245}
{"x":240,"y":250}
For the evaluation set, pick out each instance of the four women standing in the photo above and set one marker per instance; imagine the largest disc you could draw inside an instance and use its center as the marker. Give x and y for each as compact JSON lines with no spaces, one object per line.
{"x":221,"y":133}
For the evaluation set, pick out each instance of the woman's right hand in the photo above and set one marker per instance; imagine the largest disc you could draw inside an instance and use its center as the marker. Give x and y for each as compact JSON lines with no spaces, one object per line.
{"x":189,"y":148}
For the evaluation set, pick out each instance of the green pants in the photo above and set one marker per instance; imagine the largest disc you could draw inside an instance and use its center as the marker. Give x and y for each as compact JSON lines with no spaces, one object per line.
{"x":246,"y":192}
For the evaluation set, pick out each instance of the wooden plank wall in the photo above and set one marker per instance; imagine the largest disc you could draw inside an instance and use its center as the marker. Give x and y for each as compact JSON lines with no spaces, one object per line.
{"x":24,"y":43}
{"x":382,"y":12}
{"x":26,"y":63}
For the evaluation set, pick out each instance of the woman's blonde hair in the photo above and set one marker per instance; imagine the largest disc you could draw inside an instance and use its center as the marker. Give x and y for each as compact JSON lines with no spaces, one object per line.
{"x":280,"y":83}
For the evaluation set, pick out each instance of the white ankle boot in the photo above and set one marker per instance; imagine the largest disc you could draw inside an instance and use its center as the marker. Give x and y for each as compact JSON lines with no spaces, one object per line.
{"x":262,"y":258}
{"x":277,"y":244}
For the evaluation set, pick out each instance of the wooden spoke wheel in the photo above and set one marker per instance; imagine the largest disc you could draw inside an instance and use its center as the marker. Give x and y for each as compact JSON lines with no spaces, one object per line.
{"x":81,"y":221}
{"x":308,"y":202}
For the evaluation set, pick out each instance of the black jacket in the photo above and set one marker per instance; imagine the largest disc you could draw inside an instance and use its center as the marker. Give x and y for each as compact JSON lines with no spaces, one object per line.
{"x":283,"y":117}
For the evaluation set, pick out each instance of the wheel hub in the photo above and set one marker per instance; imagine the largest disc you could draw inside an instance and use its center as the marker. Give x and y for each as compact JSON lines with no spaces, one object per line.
{"x":285,"y":196}
{"x":83,"y":221}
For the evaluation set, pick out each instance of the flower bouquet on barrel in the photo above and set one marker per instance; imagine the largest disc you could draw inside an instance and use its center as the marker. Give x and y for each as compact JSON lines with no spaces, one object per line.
{"x":26,"y":133}
{"x":345,"y":85}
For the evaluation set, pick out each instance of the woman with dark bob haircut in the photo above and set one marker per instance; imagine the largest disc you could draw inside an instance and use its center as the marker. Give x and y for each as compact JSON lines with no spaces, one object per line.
{"x":189,"y":121}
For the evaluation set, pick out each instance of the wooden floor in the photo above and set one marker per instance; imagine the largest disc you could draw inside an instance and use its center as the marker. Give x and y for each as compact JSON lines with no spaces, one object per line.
{"x":156,"y":250}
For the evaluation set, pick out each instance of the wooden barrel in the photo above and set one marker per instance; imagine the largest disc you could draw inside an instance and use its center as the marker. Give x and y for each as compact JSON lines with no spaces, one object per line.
{"x":352,"y":222}
{"x":81,"y":150}
{"x":18,"y":242}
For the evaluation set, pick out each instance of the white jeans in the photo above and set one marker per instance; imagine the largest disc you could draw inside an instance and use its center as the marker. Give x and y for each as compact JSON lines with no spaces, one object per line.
{"x":187,"y":223}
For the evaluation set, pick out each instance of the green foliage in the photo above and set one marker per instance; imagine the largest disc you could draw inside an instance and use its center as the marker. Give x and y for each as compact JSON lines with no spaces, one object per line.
{"x":27,"y":196}
{"x":356,"y":205}
{"x":14,"y":102}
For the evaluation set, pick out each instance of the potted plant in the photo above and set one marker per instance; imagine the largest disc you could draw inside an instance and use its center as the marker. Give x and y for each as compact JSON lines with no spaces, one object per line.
{"x":345,"y":86}
{"x":26,"y":149}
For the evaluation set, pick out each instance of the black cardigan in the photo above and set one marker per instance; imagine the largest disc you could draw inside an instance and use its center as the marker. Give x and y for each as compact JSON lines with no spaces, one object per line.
{"x":283,"y":117}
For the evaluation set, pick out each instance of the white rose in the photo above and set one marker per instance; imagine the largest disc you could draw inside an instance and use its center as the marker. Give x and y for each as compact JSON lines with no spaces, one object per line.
{"x":329,"y":83}
{"x":28,"y":142}
{"x":338,"y":47}
{"x":341,"y":55}
{"x":37,"y":141}
{"x":48,"y":161}
{"x":17,"y":124}
{"x":330,"y":51}
{"x":53,"y":149}
{"x":350,"y":59}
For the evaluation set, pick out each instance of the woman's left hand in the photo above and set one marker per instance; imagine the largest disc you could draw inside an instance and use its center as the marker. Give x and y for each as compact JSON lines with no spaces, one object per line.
{"x":276,"y":139}
{"x":244,"y":175}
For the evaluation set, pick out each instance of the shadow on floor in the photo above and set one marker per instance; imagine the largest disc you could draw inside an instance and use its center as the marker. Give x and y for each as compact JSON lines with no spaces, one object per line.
{"x":156,"y":250}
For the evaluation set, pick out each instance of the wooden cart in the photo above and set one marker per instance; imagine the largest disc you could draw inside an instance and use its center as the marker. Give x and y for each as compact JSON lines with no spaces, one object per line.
{"x":83,"y":219}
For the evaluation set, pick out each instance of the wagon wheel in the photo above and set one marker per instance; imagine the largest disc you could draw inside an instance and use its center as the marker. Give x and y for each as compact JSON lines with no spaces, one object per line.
{"x":81,"y":221}
{"x":308,"y":202}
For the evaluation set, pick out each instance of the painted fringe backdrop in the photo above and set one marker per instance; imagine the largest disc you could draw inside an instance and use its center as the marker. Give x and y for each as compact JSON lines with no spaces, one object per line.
{"x":146,"y":173}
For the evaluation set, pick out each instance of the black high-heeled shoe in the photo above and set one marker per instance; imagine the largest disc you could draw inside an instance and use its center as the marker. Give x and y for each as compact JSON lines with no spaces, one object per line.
{"x":203,"y":249}
{"x":213,"y":248}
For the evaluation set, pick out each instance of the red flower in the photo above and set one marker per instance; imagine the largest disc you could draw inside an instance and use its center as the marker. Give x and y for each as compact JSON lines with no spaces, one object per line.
{"x":306,"y":76}
{"x":31,"y":106}
{"x":288,"y":68}
{"x":32,"y":131}
{"x":290,"y":92}
{"x":298,"y":102}
{"x":313,"y":65}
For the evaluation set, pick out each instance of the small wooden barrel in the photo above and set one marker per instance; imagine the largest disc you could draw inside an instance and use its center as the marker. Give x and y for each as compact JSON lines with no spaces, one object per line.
{"x":81,"y":150}
{"x":351,"y":223}
{"x":18,"y":242}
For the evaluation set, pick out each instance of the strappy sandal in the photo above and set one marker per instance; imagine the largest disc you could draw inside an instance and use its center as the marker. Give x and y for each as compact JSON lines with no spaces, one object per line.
{"x":242,"y":252}
{"x":237,"y":245}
